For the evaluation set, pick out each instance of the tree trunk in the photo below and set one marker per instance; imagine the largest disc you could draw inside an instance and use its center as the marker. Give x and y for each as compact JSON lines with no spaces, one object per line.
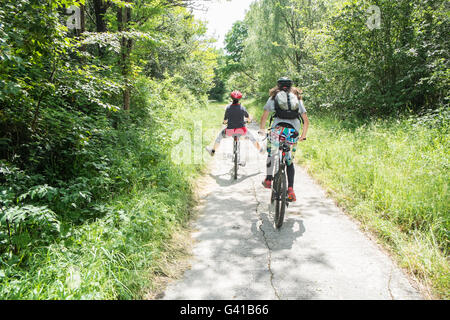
{"x":100,"y":7}
{"x":80,"y":31}
{"x":82,"y":18}
{"x":123,"y":18}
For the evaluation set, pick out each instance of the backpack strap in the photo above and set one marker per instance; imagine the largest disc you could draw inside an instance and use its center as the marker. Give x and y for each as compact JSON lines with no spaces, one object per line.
{"x":277,"y":107}
{"x":288,"y":100}
{"x":271,"y":119}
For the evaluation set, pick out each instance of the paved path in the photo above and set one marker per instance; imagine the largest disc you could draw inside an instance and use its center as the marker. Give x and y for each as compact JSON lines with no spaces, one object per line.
{"x":319,"y":253}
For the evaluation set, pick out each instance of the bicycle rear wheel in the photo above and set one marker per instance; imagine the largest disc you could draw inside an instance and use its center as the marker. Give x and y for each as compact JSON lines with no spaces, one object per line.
{"x":279,"y":192}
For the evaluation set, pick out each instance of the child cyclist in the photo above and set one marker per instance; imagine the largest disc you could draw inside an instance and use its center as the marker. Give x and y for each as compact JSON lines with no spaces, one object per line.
{"x":286,"y":101}
{"x":234,"y":118}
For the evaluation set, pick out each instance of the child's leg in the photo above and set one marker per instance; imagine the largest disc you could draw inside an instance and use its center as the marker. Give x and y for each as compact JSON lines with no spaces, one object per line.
{"x":219,"y":138}
{"x":254,"y":141}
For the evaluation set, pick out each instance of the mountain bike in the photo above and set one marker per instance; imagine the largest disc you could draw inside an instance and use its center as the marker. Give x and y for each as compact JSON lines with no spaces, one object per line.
{"x":278,"y":198}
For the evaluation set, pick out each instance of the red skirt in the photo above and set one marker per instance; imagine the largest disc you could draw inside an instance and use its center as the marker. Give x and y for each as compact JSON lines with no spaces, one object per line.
{"x":241,"y":131}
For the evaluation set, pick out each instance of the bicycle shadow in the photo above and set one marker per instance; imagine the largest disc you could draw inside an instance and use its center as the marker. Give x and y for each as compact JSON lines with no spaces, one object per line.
{"x":224,"y":182}
{"x":278,"y":239}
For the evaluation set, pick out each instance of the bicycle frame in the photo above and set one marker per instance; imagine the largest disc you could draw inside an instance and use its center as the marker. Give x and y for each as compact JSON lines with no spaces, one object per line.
{"x":280,"y":159}
{"x":236,"y":154}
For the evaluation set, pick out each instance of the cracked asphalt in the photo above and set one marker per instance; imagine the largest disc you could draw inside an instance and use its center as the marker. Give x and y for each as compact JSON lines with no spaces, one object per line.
{"x":319,"y":253}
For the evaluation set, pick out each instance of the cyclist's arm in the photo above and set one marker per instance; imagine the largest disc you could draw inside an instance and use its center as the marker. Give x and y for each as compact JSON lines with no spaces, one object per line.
{"x":305,"y":126}
{"x":225,"y":117}
{"x":262,"y":123}
{"x":248,"y":117}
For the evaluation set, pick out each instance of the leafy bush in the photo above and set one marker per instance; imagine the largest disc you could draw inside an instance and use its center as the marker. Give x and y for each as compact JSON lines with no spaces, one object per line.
{"x":123,"y":192}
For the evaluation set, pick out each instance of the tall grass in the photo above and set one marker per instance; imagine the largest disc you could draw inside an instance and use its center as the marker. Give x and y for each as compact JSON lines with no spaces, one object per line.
{"x":117,"y":254}
{"x":393,"y":176}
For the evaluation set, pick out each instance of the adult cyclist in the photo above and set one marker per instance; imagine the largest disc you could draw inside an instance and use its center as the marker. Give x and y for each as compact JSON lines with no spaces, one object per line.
{"x":287,"y":104}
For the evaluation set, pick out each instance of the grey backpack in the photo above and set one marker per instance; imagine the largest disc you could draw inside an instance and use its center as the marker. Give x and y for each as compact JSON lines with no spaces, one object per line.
{"x":286,"y":105}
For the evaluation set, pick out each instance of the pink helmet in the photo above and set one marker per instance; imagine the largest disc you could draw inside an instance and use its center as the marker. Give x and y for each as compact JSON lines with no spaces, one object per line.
{"x":236,"y":94}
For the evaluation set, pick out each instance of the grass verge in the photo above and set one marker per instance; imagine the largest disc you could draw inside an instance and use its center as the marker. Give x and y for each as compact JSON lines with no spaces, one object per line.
{"x":393,"y":177}
{"x":121,"y":254}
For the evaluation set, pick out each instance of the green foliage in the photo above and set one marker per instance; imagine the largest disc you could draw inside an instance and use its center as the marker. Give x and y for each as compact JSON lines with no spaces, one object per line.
{"x":182,"y":51}
{"x":234,"y":40}
{"x":221,"y":76}
{"x":393,"y":175}
{"x":27,"y":226}
{"x":218,"y":91}
{"x":131,"y":190}
{"x":390,"y":67}
{"x":278,"y":41}
{"x":343,"y":63}
{"x":233,"y":71}
{"x":89,"y":194}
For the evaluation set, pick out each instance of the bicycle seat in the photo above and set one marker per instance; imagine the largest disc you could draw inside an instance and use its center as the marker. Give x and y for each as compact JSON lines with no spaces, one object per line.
{"x":283,"y":135}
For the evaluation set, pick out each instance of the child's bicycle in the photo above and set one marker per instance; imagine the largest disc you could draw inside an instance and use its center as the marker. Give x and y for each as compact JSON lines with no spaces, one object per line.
{"x":283,"y":139}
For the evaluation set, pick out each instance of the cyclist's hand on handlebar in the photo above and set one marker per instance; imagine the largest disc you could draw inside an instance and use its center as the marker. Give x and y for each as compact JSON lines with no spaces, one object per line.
{"x":261,"y":132}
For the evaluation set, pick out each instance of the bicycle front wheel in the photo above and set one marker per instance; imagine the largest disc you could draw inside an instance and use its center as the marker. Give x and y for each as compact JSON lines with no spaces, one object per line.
{"x":279,"y":193}
{"x":236,"y":158}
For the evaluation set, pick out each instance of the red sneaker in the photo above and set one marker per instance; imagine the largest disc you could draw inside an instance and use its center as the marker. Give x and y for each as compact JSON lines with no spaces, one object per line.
{"x":267,"y":183}
{"x":291,"y":195}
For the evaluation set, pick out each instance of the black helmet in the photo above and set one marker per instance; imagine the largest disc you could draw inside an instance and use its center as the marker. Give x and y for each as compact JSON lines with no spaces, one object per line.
{"x":284,"y":82}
